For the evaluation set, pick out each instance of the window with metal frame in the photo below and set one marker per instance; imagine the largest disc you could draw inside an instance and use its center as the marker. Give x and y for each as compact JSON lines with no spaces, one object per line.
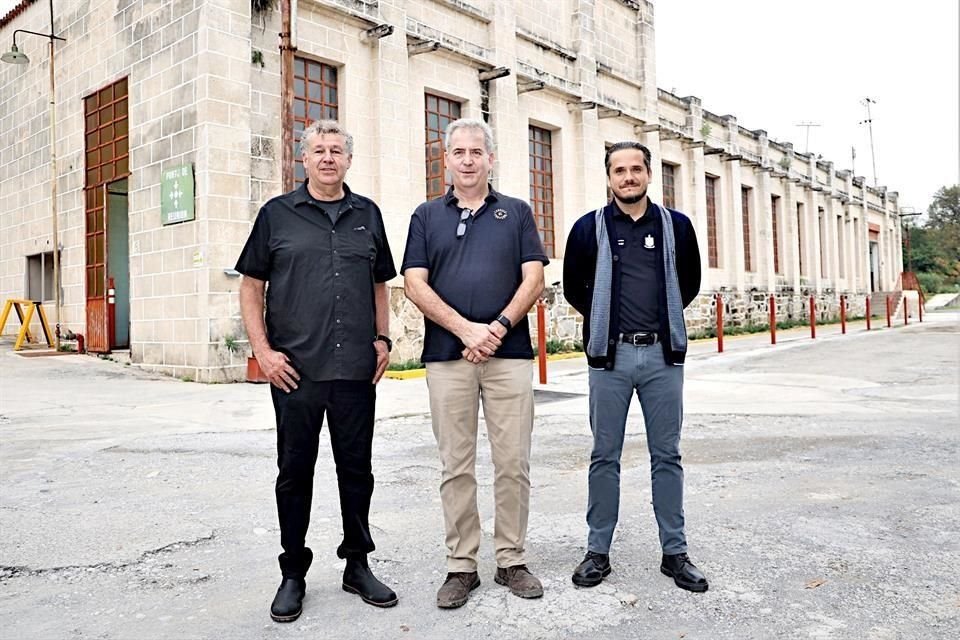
{"x":745,"y":196}
{"x":541,"y":185}
{"x":713,"y":254}
{"x":39,"y":277}
{"x":438,"y":113}
{"x":669,"y":192}
{"x":841,"y":239}
{"x":821,"y":233}
{"x":774,"y":215}
{"x":315,"y":97}
{"x":800,"y":234}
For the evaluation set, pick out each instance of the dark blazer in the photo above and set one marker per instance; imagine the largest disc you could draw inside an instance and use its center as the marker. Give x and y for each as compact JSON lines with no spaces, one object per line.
{"x":579,"y":266}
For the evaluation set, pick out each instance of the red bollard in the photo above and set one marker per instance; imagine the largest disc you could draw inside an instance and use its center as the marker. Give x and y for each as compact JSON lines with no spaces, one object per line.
{"x":542,"y":340}
{"x":773,"y":320}
{"x":906,"y":311}
{"x":719,"y":323}
{"x":868,"y":313}
{"x":843,"y":314}
{"x":813,"y":319}
{"x":888,"y":312}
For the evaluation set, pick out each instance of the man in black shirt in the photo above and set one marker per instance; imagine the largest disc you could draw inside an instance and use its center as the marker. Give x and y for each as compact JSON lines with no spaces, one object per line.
{"x":324,"y":346}
{"x":474,"y":266}
{"x":631,"y":268}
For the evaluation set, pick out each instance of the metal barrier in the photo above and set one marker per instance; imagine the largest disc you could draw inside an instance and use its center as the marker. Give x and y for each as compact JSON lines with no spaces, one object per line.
{"x":25,"y":318}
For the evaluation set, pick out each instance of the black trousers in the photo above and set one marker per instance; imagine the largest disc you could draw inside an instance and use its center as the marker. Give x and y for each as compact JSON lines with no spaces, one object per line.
{"x":349,"y":407}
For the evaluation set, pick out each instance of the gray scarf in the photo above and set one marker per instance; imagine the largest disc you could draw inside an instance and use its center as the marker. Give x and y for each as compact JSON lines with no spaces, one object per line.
{"x":603,"y":282}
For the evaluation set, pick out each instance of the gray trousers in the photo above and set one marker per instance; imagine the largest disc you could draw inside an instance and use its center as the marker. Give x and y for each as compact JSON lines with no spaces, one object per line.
{"x":659,"y":387}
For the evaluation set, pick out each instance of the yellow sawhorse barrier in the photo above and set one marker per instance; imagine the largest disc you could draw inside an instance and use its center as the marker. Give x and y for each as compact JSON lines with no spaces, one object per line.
{"x":25,"y":319}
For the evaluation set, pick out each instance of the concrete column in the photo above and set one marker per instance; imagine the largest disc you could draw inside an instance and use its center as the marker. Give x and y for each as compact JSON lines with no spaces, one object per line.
{"x":695,"y":192}
{"x":652,"y":140}
{"x":392,"y":180}
{"x":763,"y":253}
{"x":812,"y":238}
{"x":646,"y":54}
{"x":512,"y":175}
{"x":588,"y":141}
{"x":731,"y":254}
{"x":791,"y":233}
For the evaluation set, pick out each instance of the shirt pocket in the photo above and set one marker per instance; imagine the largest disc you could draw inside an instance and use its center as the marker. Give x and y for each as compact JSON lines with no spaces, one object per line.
{"x":359,"y":244}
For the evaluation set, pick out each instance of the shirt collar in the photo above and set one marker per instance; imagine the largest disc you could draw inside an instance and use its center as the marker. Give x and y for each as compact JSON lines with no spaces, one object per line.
{"x":652,"y":212}
{"x":451,"y":200}
{"x":302,"y":196}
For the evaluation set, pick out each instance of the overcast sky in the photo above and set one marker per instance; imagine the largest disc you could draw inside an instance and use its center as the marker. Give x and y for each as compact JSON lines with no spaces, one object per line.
{"x":774,"y":64}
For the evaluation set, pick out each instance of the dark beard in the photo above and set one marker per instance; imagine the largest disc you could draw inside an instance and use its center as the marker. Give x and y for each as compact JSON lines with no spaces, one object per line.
{"x":632,"y":199}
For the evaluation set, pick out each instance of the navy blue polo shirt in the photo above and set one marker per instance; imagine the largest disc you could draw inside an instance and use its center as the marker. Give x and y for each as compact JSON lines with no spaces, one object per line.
{"x":321,"y":272}
{"x":641,"y":263}
{"x":477,"y":274}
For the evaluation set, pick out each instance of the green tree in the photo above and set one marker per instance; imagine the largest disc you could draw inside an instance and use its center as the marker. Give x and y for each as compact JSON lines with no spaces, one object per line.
{"x":934,"y":250}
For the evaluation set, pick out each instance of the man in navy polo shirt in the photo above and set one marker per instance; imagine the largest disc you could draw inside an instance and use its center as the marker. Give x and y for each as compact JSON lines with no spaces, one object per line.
{"x":631,"y":268}
{"x":324,"y":346}
{"x":474,"y":266}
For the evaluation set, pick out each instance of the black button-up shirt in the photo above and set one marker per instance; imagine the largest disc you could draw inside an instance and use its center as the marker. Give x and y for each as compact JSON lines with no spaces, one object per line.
{"x":478,"y":273}
{"x":320,"y":307}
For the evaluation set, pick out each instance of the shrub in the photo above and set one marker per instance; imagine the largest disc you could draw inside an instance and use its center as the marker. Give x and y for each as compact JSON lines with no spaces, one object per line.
{"x":931,"y":282}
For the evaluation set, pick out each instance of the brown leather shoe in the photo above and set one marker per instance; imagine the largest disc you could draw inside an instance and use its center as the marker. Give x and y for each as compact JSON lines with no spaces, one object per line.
{"x":520,"y":581}
{"x":456,"y":589}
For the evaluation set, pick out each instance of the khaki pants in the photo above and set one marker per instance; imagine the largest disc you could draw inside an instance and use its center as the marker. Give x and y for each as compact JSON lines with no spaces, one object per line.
{"x":506,"y":389}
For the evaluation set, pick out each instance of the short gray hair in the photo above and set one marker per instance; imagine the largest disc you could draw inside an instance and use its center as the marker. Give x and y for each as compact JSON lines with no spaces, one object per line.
{"x":320,"y":127}
{"x":469,"y":123}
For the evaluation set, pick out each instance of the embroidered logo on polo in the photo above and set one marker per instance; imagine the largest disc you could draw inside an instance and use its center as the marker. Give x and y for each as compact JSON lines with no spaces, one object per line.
{"x":621,"y":242}
{"x":360,"y":228}
{"x":648,"y":242}
{"x":500,"y":214}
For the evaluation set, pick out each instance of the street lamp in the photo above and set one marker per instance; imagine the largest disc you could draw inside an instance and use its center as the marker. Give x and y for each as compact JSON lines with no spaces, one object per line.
{"x":15,"y":56}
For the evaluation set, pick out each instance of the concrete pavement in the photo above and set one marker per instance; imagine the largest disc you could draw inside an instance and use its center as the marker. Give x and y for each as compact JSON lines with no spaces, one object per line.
{"x":823,"y":480}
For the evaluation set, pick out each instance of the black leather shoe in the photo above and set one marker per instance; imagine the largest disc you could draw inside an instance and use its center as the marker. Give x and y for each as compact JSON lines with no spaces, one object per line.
{"x":288,"y":603}
{"x":684,"y":573}
{"x":358,"y":579}
{"x":594,"y":568}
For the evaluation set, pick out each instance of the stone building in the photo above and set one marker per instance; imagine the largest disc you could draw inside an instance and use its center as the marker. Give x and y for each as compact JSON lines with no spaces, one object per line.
{"x":169,"y":137}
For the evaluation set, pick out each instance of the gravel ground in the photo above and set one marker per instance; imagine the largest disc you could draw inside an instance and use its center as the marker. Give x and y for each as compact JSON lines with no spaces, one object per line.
{"x":823,"y":501}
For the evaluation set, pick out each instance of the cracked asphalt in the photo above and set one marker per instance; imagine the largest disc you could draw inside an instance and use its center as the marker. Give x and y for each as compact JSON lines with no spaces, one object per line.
{"x":823,"y":501}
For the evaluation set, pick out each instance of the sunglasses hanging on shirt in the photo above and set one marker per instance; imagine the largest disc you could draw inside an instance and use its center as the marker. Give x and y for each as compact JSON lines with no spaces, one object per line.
{"x":462,"y":227}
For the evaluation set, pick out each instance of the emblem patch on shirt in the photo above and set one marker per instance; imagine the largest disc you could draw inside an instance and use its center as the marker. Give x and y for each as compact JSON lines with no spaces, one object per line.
{"x":621,"y":242}
{"x":360,"y":228}
{"x":648,"y":242}
{"x":500,"y":214}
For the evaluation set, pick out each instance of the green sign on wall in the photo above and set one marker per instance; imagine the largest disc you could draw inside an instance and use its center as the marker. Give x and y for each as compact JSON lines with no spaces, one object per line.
{"x":176,"y":195}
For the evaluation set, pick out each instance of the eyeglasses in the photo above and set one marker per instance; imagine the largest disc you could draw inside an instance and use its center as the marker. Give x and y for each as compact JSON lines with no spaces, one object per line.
{"x":462,"y":227}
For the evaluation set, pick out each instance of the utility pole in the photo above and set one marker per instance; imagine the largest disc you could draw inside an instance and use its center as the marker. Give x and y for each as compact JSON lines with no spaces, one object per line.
{"x":806,"y":146}
{"x":869,"y":122}
{"x":853,"y":160}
